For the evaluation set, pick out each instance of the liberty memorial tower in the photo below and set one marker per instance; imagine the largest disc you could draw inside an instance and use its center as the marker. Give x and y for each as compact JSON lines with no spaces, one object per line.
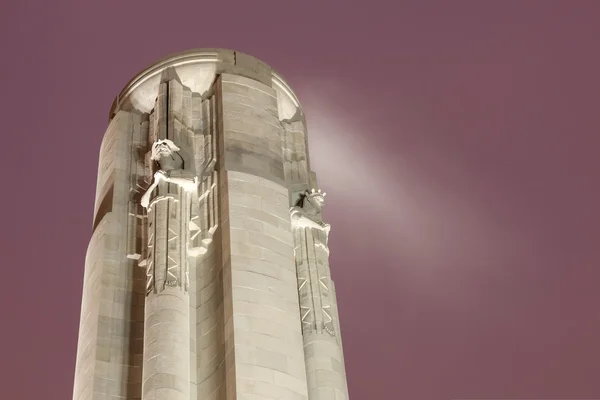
{"x":207,"y":273}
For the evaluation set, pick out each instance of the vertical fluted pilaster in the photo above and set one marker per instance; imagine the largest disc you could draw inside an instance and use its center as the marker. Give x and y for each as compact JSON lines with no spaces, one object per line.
{"x":166,"y":374}
{"x":166,"y":346}
{"x":323,"y":352}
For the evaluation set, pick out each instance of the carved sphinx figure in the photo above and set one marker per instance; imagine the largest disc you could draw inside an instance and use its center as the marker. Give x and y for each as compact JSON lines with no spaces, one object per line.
{"x":308,"y":209}
{"x":165,"y":153}
{"x":168,"y":214}
{"x":311,"y":257}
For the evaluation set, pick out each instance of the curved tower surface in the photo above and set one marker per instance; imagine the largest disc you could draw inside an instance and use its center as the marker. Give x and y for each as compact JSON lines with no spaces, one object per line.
{"x":207,"y":274}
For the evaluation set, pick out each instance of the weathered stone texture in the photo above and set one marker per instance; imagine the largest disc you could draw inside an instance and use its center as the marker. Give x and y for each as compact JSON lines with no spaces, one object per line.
{"x":252,"y":139}
{"x":295,"y":158}
{"x":262,"y":321}
{"x":208,"y":381}
{"x":166,"y":346}
{"x":110,"y":348}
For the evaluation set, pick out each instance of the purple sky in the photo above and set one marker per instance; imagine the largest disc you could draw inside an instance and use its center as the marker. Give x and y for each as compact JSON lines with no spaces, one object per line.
{"x":458,"y":142}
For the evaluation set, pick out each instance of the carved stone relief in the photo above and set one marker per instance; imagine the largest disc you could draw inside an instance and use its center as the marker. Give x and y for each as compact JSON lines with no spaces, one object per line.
{"x":311,"y":257}
{"x":179,"y":206}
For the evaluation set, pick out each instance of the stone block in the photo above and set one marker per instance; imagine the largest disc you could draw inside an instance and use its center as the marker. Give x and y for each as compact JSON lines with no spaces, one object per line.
{"x":271,"y":359}
{"x":275,"y":245}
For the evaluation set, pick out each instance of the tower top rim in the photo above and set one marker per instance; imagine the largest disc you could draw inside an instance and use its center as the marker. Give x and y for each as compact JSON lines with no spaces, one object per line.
{"x":222,"y":60}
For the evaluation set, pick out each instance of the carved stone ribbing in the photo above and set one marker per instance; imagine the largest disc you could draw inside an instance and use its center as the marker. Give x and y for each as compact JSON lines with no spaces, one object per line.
{"x":311,"y":256}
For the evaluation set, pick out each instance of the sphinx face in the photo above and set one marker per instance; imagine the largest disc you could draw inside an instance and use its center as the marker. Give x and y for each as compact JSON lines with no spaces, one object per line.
{"x":317,"y":202}
{"x":170,"y":161}
{"x":164,"y":152}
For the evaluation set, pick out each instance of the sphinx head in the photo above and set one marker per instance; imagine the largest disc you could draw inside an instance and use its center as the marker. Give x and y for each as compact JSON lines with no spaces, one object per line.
{"x":164,"y":152}
{"x":316,"y":199}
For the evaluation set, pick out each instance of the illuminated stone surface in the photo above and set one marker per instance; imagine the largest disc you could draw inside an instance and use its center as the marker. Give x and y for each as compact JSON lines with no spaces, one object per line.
{"x":207,"y":273}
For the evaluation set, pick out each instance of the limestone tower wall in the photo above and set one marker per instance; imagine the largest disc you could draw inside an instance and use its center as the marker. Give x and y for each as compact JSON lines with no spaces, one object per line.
{"x":207,"y":273}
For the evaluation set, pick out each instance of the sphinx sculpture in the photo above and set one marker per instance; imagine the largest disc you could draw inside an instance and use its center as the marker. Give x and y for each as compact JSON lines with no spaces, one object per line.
{"x":169,"y":202}
{"x":311,"y":255}
{"x":308,"y":209}
{"x":164,"y":152}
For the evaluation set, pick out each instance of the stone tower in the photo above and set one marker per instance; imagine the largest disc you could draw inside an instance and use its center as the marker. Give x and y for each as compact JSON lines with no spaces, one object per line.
{"x":207,"y":274}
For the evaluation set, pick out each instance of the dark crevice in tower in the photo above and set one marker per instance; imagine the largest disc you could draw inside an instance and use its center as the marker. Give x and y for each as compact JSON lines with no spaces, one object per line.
{"x":167,"y":118}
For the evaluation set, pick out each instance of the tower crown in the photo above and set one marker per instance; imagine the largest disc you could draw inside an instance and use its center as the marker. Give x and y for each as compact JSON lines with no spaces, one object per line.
{"x":197,"y":69}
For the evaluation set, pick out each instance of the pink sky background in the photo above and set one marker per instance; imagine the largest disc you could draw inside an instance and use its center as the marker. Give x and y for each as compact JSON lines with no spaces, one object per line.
{"x":458,"y":142}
